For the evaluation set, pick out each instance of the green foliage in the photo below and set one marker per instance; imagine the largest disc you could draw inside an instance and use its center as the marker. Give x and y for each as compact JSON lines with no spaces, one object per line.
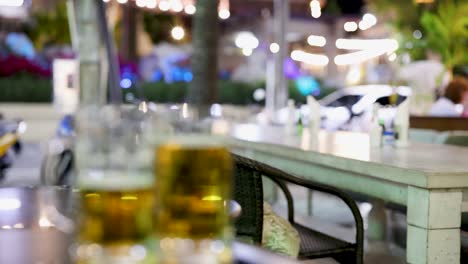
{"x":158,"y":26}
{"x":25,"y":88}
{"x":30,"y":89}
{"x":447,"y":32}
{"x":50,"y":26}
{"x":404,"y":17}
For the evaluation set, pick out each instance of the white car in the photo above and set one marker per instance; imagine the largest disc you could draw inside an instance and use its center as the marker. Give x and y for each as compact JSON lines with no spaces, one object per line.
{"x":350,"y":108}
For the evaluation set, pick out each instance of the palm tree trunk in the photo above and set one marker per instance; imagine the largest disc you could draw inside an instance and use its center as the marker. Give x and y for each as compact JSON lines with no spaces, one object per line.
{"x":204,"y":87}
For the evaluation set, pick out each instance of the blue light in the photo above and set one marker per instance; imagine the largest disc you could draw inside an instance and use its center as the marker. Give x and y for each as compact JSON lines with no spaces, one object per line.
{"x":178,"y":74}
{"x":291,"y":70}
{"x":307,"y":85}
{"x":125,"y":83}
{"x":157,"y":76}
{"x":188,"y":76}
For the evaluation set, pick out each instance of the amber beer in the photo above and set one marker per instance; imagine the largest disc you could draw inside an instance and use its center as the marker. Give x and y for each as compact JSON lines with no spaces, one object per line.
{"x":193,"y":185}
{"x":116,"y":215}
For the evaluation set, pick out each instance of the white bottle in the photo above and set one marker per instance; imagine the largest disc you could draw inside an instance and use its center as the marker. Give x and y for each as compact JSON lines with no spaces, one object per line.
{"x":375,"y":132}
{"x":401,"y":123}
{"x":314,"y":120}
{"x":291,"y":118}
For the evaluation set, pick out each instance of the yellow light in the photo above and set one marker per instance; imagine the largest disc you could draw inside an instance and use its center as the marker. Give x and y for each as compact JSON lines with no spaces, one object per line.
{"x":92,"y":195}
{"x":129,"y":198}
{"x":178,"y":33}
{"x":424,"y":1}
{"x":212,"y":198}
{"x":45,"y":223}
{"x":247,"y":52}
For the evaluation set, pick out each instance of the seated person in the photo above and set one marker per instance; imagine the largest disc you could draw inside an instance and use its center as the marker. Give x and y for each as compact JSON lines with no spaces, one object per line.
{"x":450,"y":104}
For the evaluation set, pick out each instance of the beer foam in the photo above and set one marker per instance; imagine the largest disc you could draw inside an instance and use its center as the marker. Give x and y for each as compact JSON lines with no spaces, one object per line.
{"x":114,"y":180}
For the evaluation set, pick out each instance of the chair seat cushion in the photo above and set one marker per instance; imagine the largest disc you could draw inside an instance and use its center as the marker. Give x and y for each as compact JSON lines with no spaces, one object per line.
{"x":278,"y":234}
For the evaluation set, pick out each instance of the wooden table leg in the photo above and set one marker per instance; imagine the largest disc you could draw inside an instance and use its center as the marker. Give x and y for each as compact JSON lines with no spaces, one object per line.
{"x":433,"y":221}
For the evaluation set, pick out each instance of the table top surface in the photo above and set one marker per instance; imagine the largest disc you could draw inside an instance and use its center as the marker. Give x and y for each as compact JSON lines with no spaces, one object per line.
{"x":419,"y":164}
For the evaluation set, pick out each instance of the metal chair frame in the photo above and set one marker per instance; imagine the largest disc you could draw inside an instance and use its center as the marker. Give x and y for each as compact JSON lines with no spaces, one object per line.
{"x":348,"y":253}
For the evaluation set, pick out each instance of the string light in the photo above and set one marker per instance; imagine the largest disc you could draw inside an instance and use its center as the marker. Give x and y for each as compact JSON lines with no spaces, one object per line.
{"x":315,"y":9}
{"x":164,"y":5}
{"x":309,"y":58}
{"x":187,"y":6}
{"x":389,"y":45}
{"x":367,"y":49}
{"x":176,"y":5}
{"x":350,"y":26}
{"x":190,"y":9}
{"x":246,"y":40}
{"x":177,"y":32}
{"x":224,"y":14}
{"x":318,"y":41}
{"x":274,"y":47}
{"x":247,"y":52}
{"x":140,"y":3}
{"x":223,"y":9}
{"x":151,"y":4}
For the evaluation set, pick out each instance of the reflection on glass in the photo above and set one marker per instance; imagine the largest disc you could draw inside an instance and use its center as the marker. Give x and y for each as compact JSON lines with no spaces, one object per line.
{"x":193,"y":182}
{"x":9,"y":204}
{"x":116,"y":184}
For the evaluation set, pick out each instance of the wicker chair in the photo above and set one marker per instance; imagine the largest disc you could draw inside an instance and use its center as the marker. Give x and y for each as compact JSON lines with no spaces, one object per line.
{"x":314,"y":244}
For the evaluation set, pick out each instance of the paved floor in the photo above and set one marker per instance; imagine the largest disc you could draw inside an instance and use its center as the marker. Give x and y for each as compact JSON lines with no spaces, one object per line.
{"x":26,"y":167}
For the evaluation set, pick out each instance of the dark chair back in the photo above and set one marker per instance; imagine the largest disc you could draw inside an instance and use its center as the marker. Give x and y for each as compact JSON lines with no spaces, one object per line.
{"x":248,"y":192}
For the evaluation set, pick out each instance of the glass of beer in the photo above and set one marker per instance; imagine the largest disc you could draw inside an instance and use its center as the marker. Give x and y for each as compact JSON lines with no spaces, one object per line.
{"x":193,"y":171}
{"x":116,"y":184}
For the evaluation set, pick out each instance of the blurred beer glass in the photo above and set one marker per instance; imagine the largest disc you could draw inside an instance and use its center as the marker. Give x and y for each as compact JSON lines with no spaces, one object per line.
{"x":116,"y":183}
{"x":193,"y":171}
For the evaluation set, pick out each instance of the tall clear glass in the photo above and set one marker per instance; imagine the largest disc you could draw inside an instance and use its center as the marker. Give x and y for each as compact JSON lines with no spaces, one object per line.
{"x":116,"y":184}
{"x":193,"y":171}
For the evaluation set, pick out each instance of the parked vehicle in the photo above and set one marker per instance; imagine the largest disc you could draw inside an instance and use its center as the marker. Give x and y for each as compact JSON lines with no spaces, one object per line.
{"x":57,"y":166}
{"x":10,"y":144}
{"x":351,"y":108}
